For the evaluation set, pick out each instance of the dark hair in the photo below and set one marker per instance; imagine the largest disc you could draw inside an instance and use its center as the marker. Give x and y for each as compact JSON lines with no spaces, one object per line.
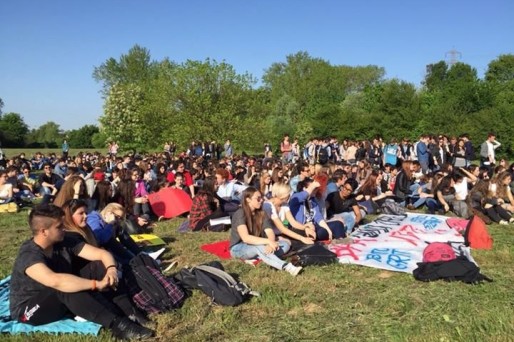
{"x":46,"y":211}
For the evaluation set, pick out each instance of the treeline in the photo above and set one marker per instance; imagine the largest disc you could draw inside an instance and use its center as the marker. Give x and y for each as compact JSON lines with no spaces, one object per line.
{"x":148,"y":102}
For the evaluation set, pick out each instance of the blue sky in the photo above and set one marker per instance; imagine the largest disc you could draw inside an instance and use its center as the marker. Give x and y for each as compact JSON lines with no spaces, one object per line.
{"x":48,"y":49}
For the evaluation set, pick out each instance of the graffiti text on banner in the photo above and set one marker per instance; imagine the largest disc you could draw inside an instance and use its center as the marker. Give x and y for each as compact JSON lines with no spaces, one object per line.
{"x":391,"y":256}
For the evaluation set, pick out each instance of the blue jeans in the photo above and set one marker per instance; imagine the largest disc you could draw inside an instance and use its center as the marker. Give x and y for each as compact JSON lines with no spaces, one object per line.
{"x":246,"y":251}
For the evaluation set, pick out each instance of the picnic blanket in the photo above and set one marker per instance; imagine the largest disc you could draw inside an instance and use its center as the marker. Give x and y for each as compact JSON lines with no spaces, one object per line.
{"x":7,"y":325}
{"x":396,"y":243}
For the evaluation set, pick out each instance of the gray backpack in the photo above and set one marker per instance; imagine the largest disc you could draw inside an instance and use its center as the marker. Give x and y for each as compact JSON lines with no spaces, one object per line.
{"x":392,"y":208}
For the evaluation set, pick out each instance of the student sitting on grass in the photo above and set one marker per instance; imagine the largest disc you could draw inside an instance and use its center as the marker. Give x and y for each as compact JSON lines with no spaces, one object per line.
{"x":252,"y":235}
{"x":44,"y":288}
{"x":282,"y":219}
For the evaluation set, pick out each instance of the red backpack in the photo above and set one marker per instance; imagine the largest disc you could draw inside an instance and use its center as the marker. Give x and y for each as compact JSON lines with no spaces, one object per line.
{"x":438,"y":251}
{"x":476,"y":235}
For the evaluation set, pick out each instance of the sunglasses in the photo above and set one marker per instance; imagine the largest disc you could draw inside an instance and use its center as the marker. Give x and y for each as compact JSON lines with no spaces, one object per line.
{"x":258,"y":198}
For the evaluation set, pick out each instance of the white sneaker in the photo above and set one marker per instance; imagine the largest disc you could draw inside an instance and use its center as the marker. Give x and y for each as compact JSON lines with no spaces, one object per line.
{"x":503,"y":222}
{"x":155,"y":255}
{"x":292,"y":269}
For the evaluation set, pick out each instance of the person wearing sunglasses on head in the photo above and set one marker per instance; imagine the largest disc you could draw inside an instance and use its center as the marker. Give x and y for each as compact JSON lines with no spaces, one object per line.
{"x":252,"y":235}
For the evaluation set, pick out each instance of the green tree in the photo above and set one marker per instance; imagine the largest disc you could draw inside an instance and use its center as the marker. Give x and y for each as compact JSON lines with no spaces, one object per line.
{"x":82,"y":137}
{"x":14,"y":130}
{"x":48,"y":135}
{"x":501,"y":69}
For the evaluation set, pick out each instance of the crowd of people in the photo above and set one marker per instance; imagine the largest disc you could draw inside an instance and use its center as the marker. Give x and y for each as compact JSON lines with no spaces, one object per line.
{"x":321,"y":191}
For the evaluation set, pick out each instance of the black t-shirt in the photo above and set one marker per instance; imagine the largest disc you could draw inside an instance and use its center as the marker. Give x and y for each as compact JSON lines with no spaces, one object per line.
{"x":52,"y":179}
{"x":337,"y":204}
{"x":23,"y":287}
{"x":238,"y":219}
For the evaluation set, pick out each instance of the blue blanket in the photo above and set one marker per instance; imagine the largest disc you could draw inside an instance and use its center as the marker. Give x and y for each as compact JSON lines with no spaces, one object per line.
{"x":7,"y":325}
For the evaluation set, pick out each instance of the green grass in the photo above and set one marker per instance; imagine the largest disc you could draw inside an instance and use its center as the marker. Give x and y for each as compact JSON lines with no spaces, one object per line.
{"x":329,"y":303}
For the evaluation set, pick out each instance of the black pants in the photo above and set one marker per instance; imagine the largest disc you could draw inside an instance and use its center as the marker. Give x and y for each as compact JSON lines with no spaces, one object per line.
{"x":217,"y":214}
{"x":497,"y":213}
{"x":51,"y":305}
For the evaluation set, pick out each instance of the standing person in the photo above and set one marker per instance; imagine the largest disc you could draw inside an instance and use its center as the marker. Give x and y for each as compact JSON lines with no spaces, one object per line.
{"x":65,"y":149}
{"x":422,"y":153}
{"x":252,"y":235}
{"x":43,"y":288}
{"x":391,"y":152}
{"x":286,"y":148}
{"x":468,"y":147}
{"x":228,"y":149}
{"x":487,"y":153}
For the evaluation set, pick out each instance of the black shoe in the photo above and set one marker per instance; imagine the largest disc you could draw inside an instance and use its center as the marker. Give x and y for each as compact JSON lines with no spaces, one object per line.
{"x":139,"y":317}
{"x":125,"y":329}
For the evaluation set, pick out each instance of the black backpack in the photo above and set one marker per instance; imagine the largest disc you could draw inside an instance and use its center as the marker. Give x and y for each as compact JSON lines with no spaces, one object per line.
{"x":323,"y":155}
{"x":314,"y":255}
{"x":212,"y":280}
{"x":459,"y":269}
{"x":154,"y":292}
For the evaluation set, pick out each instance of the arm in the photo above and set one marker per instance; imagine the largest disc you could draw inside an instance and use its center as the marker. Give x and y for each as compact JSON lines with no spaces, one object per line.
{"x":250,"y":239}
{"x":468,"y":174}
{"x":93,"y":253}
{"x":357,"y":211}
{"x":287,"y":232}
{"x":441,"y":200}
{"x":63,"y":282}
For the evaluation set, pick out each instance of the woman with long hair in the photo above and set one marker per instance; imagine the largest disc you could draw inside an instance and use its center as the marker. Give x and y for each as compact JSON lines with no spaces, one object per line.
{"x":278,"y":210}
{"x":403,"y":183}
{"x":252,"y":234}
{"x":73,"y":188}
{"x":265,"y":184}
{"x":76,"y":226}
{"x":373,"y":190}
{"x":486,"y":206}
{"x":500,"y":188}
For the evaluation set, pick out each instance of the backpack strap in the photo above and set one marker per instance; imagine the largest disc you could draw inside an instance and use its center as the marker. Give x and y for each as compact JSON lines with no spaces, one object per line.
{"x":219,"y":273}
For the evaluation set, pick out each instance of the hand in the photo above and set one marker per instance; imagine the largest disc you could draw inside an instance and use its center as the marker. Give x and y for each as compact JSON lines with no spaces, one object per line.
{"x":307,"y":240}
{"x":446,"y":208}
{"x":111,"y":276}
{"x":388,"y":193}
{"x":269,"y":249}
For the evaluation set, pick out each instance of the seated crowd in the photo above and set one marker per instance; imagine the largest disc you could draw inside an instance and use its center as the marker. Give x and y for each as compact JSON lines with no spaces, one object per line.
{"x":275,"y":204}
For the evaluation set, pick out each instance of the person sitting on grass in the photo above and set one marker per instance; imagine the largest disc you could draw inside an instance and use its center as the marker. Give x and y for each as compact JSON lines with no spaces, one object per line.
{"x":282,"y":219}
{"x":252,"y":235}
{"x":305,"y":210}
{"x":6,"y":193}
{"x":106,"y":227}
{"x":44,"y":288}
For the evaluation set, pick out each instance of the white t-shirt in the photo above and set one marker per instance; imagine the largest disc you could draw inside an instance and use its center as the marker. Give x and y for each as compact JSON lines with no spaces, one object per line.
{"x":461,"y":189}
{"x":271,"y":210}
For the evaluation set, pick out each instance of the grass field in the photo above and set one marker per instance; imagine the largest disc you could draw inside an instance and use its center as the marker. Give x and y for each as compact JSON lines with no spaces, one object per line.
{"x":329,"y":303}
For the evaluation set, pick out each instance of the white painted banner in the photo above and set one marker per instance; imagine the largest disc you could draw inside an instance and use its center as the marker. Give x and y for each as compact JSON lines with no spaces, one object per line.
{"x":396,"y":243}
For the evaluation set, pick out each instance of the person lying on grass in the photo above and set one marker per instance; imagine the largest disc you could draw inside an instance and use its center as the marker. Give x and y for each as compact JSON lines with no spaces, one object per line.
{"x":252,"y":235}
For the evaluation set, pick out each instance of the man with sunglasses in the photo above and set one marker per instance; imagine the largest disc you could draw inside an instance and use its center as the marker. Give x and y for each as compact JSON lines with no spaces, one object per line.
{"x":50,"y":182}
{"x":43,"y":288}
{"x":304,"y":171}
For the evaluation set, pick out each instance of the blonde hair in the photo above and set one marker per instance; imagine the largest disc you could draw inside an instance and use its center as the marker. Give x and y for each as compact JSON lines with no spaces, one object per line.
{"x":112,"y":208}
{"x":280,"y":190}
